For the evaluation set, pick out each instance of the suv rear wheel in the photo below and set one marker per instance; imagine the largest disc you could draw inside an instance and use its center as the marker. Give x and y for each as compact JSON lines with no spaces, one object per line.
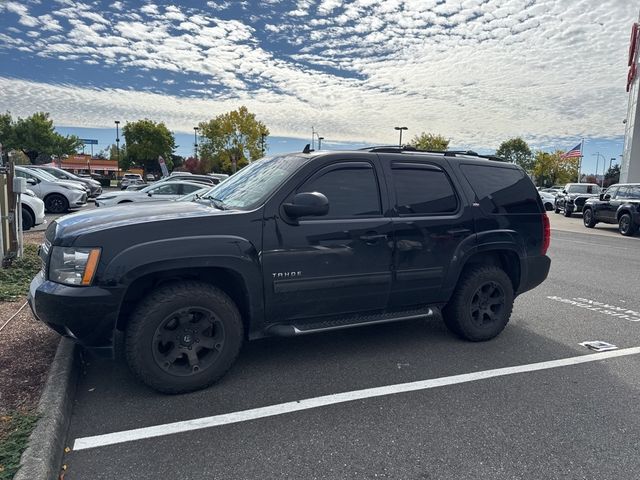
{"x":588,"y":218}
{"x":183,"y":337}
{"x":626,"y":225}
{"x":481,"y":306}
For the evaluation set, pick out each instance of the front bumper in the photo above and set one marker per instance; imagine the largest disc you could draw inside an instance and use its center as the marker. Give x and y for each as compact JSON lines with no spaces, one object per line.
{"x":78,"y":200}
{"x":88,"y":315}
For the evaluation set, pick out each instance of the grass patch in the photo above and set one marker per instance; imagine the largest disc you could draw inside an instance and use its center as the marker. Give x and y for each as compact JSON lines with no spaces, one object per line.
{"x":14,"y":434}
{"x":16,"y":276}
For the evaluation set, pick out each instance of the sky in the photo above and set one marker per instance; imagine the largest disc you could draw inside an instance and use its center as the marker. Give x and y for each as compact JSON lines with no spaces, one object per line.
{"x":476,"y":71}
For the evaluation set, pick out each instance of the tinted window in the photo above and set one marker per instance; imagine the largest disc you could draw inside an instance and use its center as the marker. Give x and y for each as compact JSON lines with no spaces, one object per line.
{"x":633,"y":192}
{"x":170,"y":189}
{"x":618,"y":192}
{"x":502,"y":190}
{"x":352,"y":192}
{"x":190,"y":188}
{"x":583,"y":188}
{"x":423,"y":191}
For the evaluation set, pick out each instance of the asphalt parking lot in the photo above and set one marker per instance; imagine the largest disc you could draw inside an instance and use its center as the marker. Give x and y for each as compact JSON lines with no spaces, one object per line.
{"x":573,"y":419}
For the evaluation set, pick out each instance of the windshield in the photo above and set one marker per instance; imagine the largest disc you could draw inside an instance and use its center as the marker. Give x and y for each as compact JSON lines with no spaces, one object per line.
{"x":254,"y":183}
{"x":42,"y":174}
{"x":583,"y":188}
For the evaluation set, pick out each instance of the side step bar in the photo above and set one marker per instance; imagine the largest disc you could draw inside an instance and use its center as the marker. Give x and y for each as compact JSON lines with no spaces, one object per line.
{"x":291,"y":330}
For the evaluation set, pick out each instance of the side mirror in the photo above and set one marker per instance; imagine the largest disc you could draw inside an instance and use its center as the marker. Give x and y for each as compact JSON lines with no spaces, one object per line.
{"x":564,"y":191}
{"x":605,"y":196}
{"x":307,"y":204}
{"x":149,"y":194}
{"x":32,"y":181}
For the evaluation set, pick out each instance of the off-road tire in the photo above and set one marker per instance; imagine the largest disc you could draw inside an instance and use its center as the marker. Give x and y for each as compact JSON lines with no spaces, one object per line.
{"x":588,"y":218}
{"x":150,"y":314}
{"x":458,"y":312}
{"x":567,"y":212}
{"x":56,"y":203}
{"x":626,"y":226}
{"x":28,"y":221}
{"x":556,"y":209}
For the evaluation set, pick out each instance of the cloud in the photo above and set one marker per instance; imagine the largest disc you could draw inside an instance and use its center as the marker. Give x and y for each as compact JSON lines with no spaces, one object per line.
{"x":478,"y":71}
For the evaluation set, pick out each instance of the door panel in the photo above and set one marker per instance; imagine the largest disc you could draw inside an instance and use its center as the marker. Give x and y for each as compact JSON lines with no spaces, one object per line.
{"x":331,"y":265}
{"x":430,"y":225}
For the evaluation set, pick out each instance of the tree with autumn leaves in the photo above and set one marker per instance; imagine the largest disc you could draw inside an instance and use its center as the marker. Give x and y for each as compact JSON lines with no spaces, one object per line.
{"x":231,"y":140}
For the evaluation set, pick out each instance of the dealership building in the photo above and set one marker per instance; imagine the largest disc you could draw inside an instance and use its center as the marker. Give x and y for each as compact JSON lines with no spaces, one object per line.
{"x":630,"y":169}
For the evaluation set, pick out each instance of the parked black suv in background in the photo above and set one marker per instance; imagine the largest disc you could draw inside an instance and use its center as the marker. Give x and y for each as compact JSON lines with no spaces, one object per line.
{"x":619,"y":204}
{"x":573,"y":196}
{"x":295,"y":244}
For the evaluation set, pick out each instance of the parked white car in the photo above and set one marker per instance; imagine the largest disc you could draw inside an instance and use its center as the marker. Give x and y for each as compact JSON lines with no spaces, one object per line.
{"x":130,"y":179}
{"x":152,"y":193}
{"x":548,"y":199}
{"x":32,"y":210}
{"x":59,"y":196}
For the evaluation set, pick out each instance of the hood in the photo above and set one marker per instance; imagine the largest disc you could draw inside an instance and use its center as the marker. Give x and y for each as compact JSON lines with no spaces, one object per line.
{"x":73,"y":184}
{"x":117,"y":193}
{"x":99,"y":219}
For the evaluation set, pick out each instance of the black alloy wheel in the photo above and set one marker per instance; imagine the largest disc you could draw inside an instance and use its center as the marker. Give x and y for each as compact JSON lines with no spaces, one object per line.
{"x":188,"y":341}
{"x":487,"y":304}
{"x":481,"y":305}
{"x":626,"y":226}
{"x":56,"y":203}
{"x":183,"y":336}
{"x":588,"y":218}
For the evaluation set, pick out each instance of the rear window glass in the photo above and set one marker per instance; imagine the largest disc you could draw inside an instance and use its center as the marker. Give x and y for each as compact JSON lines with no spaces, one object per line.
{"x":502,"y":190}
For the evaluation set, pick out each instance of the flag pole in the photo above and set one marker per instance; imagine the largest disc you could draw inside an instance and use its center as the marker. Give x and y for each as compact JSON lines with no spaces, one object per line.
{"x":581,"y":156}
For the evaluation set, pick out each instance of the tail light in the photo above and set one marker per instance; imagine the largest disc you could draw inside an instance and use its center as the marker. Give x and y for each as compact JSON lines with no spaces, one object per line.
{"x":546,"y":234}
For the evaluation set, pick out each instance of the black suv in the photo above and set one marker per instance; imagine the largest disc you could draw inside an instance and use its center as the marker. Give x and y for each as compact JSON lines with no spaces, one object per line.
{"x":573,"y":197}
{"x":619,"y":204}
{"x":295,"y":244}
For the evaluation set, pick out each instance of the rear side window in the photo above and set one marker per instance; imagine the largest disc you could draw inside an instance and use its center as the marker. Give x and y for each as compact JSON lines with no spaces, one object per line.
{"x":421,"y":191}
{"x":502,"y":190}
{"x":633,"y":192}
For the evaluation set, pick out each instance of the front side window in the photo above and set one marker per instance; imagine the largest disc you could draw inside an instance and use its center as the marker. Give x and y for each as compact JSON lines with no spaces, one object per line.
{"x":171,"y":189}
{"x":421,"y":191}
{"x":352,"y":191}
{"x":186,"y":188}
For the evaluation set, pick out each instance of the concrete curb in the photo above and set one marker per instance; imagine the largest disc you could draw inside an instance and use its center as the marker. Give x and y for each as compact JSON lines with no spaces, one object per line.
{"x":43,"y":456}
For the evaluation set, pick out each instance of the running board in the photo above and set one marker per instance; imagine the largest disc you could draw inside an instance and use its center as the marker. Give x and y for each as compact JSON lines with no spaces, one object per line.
{"x":290,"y":330}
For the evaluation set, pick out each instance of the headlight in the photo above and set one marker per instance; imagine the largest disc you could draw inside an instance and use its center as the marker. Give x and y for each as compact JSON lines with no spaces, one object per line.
{"x":73,"y":266}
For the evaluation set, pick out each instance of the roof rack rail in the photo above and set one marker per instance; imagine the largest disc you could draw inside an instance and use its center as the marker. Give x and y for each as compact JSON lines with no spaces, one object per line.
{"x":411,"y":148}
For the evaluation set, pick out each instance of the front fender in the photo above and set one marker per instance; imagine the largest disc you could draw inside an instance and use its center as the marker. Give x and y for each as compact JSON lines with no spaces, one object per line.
{"x":220,"y":251}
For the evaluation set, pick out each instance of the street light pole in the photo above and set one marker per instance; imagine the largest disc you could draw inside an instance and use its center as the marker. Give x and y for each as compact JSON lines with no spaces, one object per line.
{"x":262,"y":137}
{"x":195,"y":143}
{"x":604,"y":164}
{"x":117,"y":122}
{"x":400,"y":129}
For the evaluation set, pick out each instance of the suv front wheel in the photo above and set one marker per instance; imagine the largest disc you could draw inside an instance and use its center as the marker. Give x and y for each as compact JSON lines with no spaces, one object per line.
{"x":183,"y":337}
{"x":481,"y":306}
{"x":588,"y":218}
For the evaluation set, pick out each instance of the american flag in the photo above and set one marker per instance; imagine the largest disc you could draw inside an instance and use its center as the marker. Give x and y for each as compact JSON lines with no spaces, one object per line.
{"x":575,"y":152}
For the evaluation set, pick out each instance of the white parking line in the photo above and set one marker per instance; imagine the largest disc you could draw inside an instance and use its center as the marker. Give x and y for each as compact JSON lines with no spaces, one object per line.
{"x":309,"y":403}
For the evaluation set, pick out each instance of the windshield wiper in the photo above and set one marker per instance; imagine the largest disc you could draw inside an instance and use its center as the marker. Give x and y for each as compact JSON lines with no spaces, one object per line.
{"x":219,"y":204}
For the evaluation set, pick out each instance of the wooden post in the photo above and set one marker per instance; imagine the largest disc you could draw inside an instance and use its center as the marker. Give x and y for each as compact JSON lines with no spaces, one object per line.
{"x":13,"y":232}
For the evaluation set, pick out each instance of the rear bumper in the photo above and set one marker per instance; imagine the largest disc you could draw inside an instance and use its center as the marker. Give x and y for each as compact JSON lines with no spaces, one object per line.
{"x":537,"y":269}
{"x":86,"y":314}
